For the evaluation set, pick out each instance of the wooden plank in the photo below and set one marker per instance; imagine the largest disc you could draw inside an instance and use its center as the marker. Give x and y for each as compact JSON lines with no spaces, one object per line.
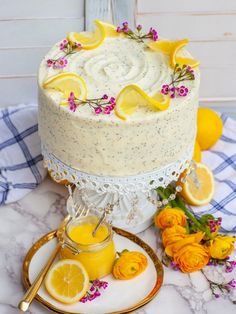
{"x":196,"y":28}
{"x":97,"y":10}
{"x":36,"y":32}
{"x":21,"y":61}
{"x":20,"y":9}
{"x":123,"y":10}
{"x":18,"y":90}
{"x":154,"y":6}
{"x":217,"y":83}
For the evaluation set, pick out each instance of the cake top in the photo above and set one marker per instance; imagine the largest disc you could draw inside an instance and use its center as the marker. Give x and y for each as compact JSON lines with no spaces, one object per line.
{"x":118,"y":73}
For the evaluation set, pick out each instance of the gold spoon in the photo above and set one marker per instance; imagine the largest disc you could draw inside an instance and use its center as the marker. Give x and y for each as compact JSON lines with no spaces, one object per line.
{"x":32,"y":291}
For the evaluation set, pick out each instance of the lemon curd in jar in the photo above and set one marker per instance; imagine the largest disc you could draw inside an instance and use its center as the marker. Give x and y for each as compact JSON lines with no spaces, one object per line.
{"x":97,"y":254}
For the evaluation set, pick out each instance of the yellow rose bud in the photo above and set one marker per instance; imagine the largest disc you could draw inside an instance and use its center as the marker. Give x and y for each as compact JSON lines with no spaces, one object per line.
{"x":173,"y":234}
{"x":173,"y":248}
{"x":221,"y":246}
{"x":191,"y":257}
{"x":129,"y":265}
{"x":170,"y":217}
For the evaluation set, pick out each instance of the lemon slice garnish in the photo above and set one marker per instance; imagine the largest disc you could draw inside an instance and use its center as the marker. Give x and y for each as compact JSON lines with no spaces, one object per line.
{"x":199,"y":186}
{"x":67,"y":83}
{"x":67,"y":281}
{"x":109,"y":29}
{"x":171,"y":48}
{"x":193,"y":63}
{"x":132,"y":96}
{"x":89,"y":40}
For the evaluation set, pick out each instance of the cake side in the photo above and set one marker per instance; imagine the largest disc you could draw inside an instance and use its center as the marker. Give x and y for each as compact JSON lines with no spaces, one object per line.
{"x":106,"y":145}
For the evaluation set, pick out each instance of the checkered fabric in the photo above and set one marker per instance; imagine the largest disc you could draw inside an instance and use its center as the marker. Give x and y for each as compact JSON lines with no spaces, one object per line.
{"x":222,"y":161}
{"x":21,"y":166}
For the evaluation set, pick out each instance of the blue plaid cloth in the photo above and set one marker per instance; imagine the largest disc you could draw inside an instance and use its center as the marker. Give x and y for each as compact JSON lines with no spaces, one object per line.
{"x":221,"y":159}
{"x":21,"y":166}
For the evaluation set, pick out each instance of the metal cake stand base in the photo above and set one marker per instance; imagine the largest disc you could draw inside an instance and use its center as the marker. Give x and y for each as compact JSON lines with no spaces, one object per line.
{"x":133,"y":198}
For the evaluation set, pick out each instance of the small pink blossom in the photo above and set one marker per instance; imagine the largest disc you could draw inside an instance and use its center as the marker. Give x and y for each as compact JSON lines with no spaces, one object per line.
{"x":105,"y":96}
{"x":182,"y":91}
{"x":61,"y":63}
{"x":165,"y":89}
{"x":98,"y":110}
{"x":63,"y":44}
{"x":50,"y":63}
{"x":139,"y":27}
{"x":112,"y":101}
{"x":107,"y":110}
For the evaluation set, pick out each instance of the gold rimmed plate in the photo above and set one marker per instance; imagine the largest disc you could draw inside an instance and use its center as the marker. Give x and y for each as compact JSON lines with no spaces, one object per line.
{"x":121,"y":296}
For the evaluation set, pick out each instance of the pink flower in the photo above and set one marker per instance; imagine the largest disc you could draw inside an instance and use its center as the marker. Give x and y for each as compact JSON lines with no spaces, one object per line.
{"x":118,"y":29}
{"x":165,"y":89}
{"x":63,"y":44}
{"x":154,"y":34}
{"x":62,"y":63}
{"x":139,"y":27}
{"x":125,"y":24}
{"x":73,"y":107}
{"x":112,"y":101}
{"x":107,"y":110}
{"x":50,"y":63}
{"x":105,"y":96}
{"x":77,"y":44}
{"x":182,"y":91}
{"x":71,"y":98}
{"x":173,"y":89}
{"x":98,"y":110}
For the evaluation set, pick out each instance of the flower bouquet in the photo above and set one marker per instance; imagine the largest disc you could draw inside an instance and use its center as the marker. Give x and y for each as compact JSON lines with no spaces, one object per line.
{"x":191,"y":243}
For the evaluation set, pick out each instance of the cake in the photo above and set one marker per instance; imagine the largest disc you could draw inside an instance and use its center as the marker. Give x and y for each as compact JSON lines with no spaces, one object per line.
{"x":105,"y":144}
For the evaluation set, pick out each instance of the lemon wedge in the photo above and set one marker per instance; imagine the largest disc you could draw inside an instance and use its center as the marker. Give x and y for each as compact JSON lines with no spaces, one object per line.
{"x":133,"y":96}
{"x":171,"y":49}
{"x":89,"y":40}
{"x":109,"y":29}
{"x":175,"y":59}
{"x":67,"y":281}
{"x":67,"y":83}
{"x":199,"y":187}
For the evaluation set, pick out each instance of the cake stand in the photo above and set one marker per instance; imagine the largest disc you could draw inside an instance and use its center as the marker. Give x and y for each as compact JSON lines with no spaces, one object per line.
{"x":132,"y":198}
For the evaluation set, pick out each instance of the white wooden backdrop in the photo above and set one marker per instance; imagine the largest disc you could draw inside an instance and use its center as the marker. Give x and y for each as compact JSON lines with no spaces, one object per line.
{"x":29,"y":27}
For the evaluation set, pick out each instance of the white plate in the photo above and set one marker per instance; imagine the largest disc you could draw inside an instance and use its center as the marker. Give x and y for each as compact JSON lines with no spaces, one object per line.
{"x":121,"y":296}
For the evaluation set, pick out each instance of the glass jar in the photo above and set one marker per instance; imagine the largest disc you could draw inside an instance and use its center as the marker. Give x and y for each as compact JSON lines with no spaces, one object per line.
{"x":96,"y":254}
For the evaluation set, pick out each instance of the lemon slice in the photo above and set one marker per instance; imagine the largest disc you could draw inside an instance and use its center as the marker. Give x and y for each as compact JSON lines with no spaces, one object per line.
{"x":175,"y":59}
{"x":167,"y":46}
{"x":193,"y":63}
{"x":171,"y":48}
{"x":67,"y":83}
{"x":109,"y":29}
{"x":199,"y":186}
{"x":89,"y":40}
{"x":133,"y":96}
{"x":67,"y":281}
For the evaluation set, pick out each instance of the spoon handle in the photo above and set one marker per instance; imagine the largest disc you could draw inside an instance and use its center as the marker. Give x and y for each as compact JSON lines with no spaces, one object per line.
{"x":32,"y":291}
{"x":99,"y":223}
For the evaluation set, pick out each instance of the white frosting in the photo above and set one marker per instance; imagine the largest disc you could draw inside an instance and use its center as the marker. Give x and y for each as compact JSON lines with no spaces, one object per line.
{"x":106,"y":145}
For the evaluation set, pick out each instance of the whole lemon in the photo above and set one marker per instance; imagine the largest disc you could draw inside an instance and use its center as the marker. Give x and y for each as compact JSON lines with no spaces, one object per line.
{"x":209,"y":128}
{"x":197,"y":154}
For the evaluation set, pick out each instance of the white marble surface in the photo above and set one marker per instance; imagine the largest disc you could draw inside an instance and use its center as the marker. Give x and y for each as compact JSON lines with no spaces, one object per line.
{"x":23,"y":222}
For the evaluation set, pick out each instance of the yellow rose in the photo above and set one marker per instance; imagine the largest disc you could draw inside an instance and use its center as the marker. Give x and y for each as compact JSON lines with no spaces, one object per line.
{"x":221,"y":246}
{"x":174,"y":247}
{"x":173,"y":234}
{"x":191,"y":257}
{"x":170,"y":217}
{"x":129,"y":265}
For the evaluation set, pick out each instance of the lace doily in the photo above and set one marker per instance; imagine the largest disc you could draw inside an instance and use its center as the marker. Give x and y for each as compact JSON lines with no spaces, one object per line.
{"x":142,"y":182}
